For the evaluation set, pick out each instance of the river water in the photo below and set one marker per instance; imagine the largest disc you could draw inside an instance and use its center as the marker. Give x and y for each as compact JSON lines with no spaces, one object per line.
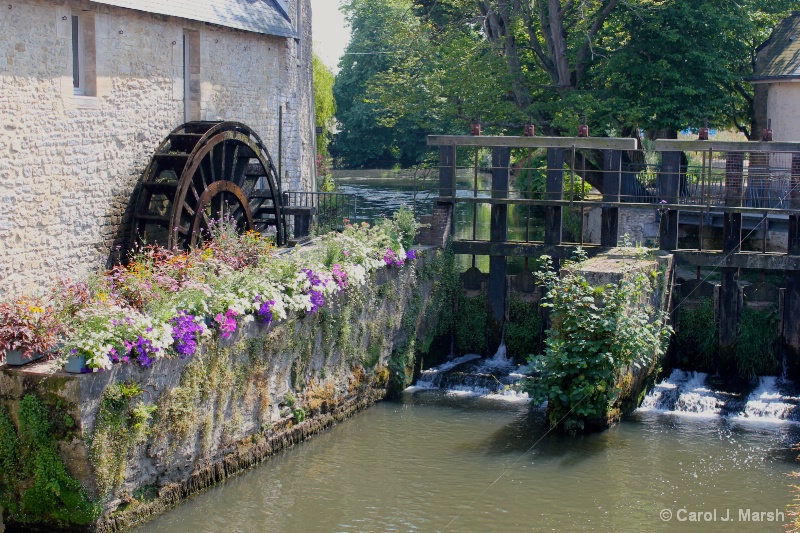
{"x":444,"y":461}
{"x":381,"y":193}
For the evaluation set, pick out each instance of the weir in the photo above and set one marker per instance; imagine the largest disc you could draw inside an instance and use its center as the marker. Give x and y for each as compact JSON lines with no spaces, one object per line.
{"x":691,"y":188}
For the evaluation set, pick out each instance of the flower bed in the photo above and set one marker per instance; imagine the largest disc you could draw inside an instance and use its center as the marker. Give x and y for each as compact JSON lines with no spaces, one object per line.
{"x":163,"y":303}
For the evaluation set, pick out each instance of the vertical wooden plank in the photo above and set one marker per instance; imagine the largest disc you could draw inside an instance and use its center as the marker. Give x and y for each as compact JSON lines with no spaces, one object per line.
{"x":731,"y":243}
{"x":612,"y":183}
{"x":791,"y":301}
{"x":555,"y":191}
{"x":447,"y":165}
{"x":669,"y":187}
{"x":501,"y":159}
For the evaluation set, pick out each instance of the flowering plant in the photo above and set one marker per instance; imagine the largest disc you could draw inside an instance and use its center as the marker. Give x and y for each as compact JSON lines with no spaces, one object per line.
{"x":163,"y":302}
{"x":28,"y":325}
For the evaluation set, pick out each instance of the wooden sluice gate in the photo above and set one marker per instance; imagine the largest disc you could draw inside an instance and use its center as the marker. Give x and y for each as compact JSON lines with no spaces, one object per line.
{"x":687,"y":187}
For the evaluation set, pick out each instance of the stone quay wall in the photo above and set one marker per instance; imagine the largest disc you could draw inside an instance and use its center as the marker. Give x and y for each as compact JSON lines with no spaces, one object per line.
{"x":140,"y":440}
{"x":69,"y":164}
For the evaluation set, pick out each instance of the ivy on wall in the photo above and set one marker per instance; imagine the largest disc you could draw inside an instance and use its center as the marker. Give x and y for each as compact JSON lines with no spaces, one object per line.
{"x":35,"y":486}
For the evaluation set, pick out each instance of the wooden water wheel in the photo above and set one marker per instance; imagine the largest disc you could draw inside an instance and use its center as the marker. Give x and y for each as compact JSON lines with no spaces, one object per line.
{"x":206,"y":171}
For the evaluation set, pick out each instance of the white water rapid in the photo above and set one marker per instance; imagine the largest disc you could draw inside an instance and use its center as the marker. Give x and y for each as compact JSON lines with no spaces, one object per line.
{"x":689,"y":393}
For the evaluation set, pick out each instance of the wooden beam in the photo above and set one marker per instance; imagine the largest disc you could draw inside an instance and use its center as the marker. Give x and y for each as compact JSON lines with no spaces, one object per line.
{"x":580,"y":143}
{"x":521,"y":249}
{"x":753,"y":260}
{"x":673,"y":145}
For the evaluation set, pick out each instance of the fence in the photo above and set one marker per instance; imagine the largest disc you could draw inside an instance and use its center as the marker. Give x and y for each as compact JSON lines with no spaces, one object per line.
{"x":331,"y":208}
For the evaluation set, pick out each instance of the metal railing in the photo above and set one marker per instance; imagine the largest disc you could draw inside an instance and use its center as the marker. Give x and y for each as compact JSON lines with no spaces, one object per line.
{"x":332,"y":208}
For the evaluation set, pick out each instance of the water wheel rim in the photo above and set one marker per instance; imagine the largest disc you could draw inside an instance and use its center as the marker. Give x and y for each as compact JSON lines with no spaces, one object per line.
{"x":213,"y":190}
{"x":203,"y":150}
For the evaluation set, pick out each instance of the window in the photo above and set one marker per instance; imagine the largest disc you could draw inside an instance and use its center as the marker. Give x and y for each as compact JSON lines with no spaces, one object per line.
{"x":84,"y":75}
{"x":191,"y":75}
{"x":78,"y":78}
{"x":298,"y":27}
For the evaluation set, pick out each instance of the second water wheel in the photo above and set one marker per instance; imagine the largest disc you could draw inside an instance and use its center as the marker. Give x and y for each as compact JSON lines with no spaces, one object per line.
{"x":206,"y":171}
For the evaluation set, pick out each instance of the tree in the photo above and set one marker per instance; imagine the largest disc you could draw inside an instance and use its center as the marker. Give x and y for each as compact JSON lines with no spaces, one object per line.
{"x":324,"y":104}
{"x":385,"y":38}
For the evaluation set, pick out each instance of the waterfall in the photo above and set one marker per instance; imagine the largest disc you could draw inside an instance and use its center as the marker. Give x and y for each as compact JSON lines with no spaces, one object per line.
{"x":688,"y":393}
{"x":472,"y":374}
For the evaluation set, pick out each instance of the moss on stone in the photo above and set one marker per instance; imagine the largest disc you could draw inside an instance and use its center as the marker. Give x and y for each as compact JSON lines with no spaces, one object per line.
{"x":35,"y":487}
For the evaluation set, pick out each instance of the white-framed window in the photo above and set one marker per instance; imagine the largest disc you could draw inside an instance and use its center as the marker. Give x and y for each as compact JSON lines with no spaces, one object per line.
{"x":191,"y":75}
{"x":298,"y":27}
{"x":78,"y":56}
{"x":82,"y":40}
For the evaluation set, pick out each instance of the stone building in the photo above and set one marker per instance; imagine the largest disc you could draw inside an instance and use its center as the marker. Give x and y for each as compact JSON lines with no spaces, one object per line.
{"x":777,"y":81}
{"x":90,"y":88}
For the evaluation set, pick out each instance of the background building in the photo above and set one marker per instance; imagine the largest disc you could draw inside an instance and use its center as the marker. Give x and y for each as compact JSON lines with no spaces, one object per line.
{"x":89,"y":89}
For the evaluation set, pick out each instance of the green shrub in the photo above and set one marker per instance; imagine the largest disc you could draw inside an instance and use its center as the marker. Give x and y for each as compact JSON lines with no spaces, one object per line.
{"x":470,"y":324}
{"x":595,"y":333}
{"x":35,"y":487}
{"x":523,"y":328}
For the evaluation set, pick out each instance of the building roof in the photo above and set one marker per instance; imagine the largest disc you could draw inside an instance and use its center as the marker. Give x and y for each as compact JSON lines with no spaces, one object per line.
{"x":779,"y":56}
{"x":268,"y":17}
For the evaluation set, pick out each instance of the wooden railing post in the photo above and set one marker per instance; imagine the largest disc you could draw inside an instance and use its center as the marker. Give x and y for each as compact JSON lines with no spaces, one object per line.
{"x":791,"y":309}
{"x":555,"y":191}
{"x":447,"y":171}
{"x":731,"y":243}
{"x":612,"y":183}
{"x":501,"y":164}
{"x":669,"y":186}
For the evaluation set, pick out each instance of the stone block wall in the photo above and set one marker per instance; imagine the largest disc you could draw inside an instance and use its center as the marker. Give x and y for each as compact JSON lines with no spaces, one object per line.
{"x":69,"y":164}
{"x":140,"y":440}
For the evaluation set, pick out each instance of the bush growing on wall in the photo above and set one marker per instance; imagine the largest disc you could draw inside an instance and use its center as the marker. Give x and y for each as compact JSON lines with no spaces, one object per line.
{"x":596,"y":334}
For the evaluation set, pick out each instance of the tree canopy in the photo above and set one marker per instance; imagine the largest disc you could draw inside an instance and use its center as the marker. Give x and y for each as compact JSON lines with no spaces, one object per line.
{"x":415,"y":67}
{"x":324,"y":103}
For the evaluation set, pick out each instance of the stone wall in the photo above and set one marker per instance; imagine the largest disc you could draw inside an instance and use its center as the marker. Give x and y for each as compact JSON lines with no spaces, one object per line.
{"x":610,"y":268}
{"x":141,"y":440}
{"x":69,"y":164}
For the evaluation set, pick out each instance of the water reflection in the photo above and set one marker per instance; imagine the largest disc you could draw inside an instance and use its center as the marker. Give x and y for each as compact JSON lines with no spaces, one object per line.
{"x":381,"y":193}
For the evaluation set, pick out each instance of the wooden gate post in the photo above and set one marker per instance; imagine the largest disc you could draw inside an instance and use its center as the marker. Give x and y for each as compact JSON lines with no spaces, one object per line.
{"x":501,"y":168}
{"x":669,"y":186}
{"x":791,"y":310}
{"x":612,"y":180}
{"x":555,"y":191}
{"x":731,"y":243}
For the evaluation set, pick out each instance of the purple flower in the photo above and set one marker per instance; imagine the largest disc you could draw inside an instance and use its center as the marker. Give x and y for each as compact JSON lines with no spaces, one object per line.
{"x":265,"y":310}
{"x":391,"y":258}
{"x":143,"y":349}
{"x":226,"y":323}
{"x":185,"y":332}
{"x":317,"y":301}
{"x":340,"y":276}
{"x":411,"y":254}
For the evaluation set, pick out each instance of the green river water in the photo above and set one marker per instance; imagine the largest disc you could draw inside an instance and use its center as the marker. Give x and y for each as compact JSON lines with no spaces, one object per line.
{"x":437,"y":461}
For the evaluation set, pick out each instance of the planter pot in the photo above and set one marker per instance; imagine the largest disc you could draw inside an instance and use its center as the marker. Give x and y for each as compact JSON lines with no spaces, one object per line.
{"x":15,"y":358}
{"x":75,"y":364}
